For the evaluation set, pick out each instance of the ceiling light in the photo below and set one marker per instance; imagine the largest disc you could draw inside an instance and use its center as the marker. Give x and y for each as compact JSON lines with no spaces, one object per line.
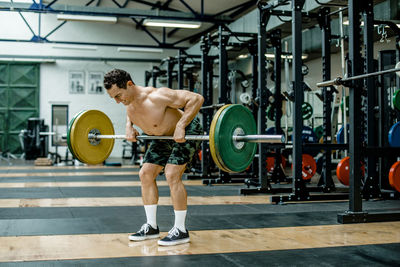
{"x":243,"y":56}
{"x":22,"y":1}
{"x":28,"y":59}
{"x":74,"y":47}
{"x":304,"y":56}
{"x":172,"y":23}
{"x":139,"y":49}
{"x":105,"y":19}
{"x":346,"y":22}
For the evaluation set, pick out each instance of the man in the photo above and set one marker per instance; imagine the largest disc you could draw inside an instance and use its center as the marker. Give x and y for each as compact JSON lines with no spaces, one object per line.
{"x":157,"y":111}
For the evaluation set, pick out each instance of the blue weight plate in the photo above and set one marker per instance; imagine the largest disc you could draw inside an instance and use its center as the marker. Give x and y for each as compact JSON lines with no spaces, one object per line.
{"x":271,"y":131}
{"x":394,"y":135}
{"x":340,"y":134}
{"x":308,"y":136}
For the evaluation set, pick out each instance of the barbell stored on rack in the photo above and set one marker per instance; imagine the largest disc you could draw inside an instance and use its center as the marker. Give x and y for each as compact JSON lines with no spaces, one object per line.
{"x":343,"y":81}
{"x":233,"y":137}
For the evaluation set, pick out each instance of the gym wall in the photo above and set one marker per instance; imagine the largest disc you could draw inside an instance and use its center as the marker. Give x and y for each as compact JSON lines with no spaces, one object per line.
{"x":54,"y":75}
{"x":54,"y":90}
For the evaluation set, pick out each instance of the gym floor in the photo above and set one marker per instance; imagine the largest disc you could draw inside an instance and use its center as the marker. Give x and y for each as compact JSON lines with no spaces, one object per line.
{"x":68,"y":216}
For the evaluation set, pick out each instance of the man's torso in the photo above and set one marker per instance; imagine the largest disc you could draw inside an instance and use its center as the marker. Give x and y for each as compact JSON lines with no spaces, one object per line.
{"x":153,"y":115}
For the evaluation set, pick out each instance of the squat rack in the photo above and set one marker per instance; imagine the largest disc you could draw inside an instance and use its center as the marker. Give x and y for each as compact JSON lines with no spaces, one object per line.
{"x":355,"y":214}
{"x":221,"y":40}
{"x":299,"y":190}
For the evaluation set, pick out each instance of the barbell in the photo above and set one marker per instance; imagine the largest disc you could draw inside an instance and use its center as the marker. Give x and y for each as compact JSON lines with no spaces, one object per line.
{"x":232,"y":138}
{"x":343,"y":81}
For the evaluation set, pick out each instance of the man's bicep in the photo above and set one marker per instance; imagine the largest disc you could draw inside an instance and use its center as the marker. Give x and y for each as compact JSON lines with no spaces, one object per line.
{"x":174,"y":98}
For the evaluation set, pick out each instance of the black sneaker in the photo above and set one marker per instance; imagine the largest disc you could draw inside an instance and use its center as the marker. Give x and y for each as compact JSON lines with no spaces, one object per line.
{"x":175,"y":237}
{"x":145,"y":232}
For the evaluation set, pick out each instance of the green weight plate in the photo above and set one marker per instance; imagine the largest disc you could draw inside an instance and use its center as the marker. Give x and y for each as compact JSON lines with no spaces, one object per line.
{"x":82,"y":147}
{"x":69,"y":134}
{"x":235,"y":119}
{"x":396,"y":99}
{"x":307,"y":110}
{"x":319,"y":131}
{"x":213,"y":146}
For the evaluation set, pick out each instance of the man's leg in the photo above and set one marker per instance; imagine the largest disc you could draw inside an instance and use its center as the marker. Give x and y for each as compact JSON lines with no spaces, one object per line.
{"x":178,"y":234}
{"x":173,"y":174}
{"x":148,"y":174}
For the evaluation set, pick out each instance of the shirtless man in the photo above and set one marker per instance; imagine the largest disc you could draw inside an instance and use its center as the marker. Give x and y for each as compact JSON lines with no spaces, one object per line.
{"x":157,"y":111}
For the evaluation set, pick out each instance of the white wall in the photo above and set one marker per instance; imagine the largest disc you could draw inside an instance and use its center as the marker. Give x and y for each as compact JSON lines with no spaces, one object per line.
{"x":54,"y":76}
{"x":54,"y":90}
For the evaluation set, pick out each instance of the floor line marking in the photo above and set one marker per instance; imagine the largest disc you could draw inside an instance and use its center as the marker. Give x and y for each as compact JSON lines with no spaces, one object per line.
{"x":96,"y":246}
{"x":129,"y":201}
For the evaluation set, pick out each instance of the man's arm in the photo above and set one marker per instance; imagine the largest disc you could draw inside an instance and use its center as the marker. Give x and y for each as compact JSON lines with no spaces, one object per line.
{"x":190,"y":102}
{"x":190,"y":109}
{"x":130,"y":132}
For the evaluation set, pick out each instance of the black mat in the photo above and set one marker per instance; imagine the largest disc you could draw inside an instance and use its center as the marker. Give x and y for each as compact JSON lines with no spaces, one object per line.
{"x":368,"y":255}
{"x":97,"y":220}
{"x":134,"y":191}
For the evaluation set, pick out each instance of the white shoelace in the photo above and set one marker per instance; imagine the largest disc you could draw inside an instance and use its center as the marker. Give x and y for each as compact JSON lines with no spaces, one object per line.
{"x":145,"y":228}
{"x":173,"y":232}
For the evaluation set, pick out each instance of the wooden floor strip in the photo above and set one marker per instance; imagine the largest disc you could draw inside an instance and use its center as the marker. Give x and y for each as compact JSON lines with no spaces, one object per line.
{"x":27,"y":167}
{"x":95,"y":246}
{"x":128,"y":201}
{"x":89,"y":184}
{"x":56,"y":174}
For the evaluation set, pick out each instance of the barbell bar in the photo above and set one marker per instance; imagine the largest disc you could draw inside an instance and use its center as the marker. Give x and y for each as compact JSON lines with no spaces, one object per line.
{"x":254,"y":138}
{"x":232,"y":138}
{"x":343,"y":81}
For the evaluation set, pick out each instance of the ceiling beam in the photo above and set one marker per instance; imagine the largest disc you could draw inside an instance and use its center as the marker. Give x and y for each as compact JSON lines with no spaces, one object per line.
{"x":154,"y":5}
{"x":35,"y":57}
{"x":118,"y":12}
{"x":157,"y":5}
{"x":189,"y":7}
{"x":162,"y":45}
{"x":243,"y":7}
{"x":239,"y":12}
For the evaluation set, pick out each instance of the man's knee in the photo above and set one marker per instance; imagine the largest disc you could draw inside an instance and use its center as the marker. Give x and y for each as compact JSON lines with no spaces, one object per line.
{"x":173,"y":174}
{"x":148,"y":173}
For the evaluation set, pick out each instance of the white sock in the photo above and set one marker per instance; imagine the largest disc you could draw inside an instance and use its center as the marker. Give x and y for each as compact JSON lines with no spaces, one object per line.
{"x":151,"y":215}
{"x":180,"y":217}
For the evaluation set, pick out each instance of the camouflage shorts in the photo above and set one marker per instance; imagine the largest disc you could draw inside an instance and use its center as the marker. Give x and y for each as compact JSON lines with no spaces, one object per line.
{"x":161,"y":152}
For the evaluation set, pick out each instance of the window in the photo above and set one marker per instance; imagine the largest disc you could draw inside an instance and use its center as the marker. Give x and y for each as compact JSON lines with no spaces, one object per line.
{"x":59,"y":124}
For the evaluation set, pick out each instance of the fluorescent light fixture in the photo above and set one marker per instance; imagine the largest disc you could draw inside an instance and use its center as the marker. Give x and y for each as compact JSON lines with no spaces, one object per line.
{"x":172,"y":23}
{"x":105,"y":19}
{"x":27,"y":59}
{"x":75,"y":47}
{"x":304,"y":56}
{"x":139,"y":49}
{"x":243,"y":56}
{"x":346,"y":22}
{"x":21,"y":1}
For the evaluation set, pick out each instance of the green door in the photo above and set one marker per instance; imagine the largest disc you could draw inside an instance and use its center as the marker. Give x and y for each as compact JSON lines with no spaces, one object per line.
{"x":19,"y":100}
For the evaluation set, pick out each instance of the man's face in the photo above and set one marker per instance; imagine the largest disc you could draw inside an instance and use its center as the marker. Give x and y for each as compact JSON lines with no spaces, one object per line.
{"x":120,"y":95}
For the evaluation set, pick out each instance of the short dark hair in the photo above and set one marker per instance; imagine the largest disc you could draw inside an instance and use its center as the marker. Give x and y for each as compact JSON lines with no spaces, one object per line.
{"x":117,"y":77}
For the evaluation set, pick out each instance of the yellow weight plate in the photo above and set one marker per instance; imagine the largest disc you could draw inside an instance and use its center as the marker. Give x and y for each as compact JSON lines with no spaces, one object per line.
{"x":83,"y":124}
{"x":71,"y":136}
{"x":213,"y":148}
{"x":72,"y":127}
